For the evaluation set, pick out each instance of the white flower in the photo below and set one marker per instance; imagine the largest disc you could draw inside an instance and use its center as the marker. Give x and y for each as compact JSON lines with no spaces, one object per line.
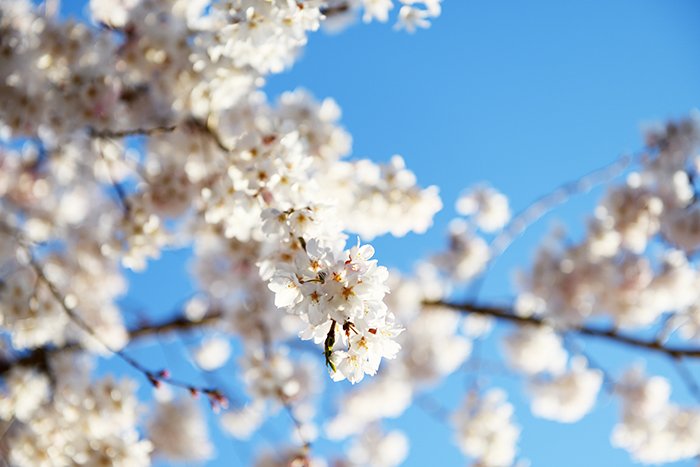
{"x":467,"y":256}
{"x":286,"y":290}
{"x":535,"y":349}
{"x":27,"y":390}
{"x":242,"y":423}
{"x":365,"y":353}
{"x":411,"y":18}
{"x":376,"y":9}
{"x":567,"y":397}
{"x":380,"y":398}
{"x":339,"y":294}
{"x":488,"y":206}
{"x":651,"y":428}
{"x":351,"y":366}
{"x":212,"y":353}
{"x":179,"y":432}
{"x":485,"y":429}
{"x":379,"y":449}
{"x":111,"y":12}
{"x":635,"y":213}
{"x":374,"y":199}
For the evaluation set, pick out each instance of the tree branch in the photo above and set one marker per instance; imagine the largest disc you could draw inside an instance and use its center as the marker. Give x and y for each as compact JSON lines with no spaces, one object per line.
{"x":337,"y":9}
{"x":613,"y":335}
{"x":40,"y":356}
{"x":131,"y":131}
{"x":177,"y":324}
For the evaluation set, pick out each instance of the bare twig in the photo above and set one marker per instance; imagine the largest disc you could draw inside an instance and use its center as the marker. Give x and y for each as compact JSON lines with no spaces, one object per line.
{"x":608,"y":380}
{"x":433,"y":408}
{"x":544,"y":204}
{"x":306,"y":444}
{"x":154,"y":377}
{"x":118,"y":188}
{"x":687,"y":378}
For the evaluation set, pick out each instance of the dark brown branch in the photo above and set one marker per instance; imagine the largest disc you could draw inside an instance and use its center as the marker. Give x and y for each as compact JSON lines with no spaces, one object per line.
{"x":36,"y":358}
{"x":178,"y":324}
{"x":39,"y":357}
{"x":131,"y":132}
{"x":203,"y":127}
{"x":338,"y":9}
{"x":612,"y":335}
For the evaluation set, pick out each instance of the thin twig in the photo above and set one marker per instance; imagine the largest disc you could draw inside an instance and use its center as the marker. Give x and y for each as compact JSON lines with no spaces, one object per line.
{"x":118,"y":188}
{"x":283,"y":398}
{"x":433,"y":408}
{"x":216,"y":398}
{"x":306,"y":444}
{"x":608,"y":380}
{"x":154,"y":377}
{"x":544,"y":204}
{"x":687,"y":378}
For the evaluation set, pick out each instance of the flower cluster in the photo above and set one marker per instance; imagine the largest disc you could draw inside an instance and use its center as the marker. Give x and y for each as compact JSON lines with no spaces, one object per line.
{"x":383,"y":198}
{"x":485,"y":429}
{"x":568,"y":396}
{"x":264,"y":36}
{"x":653,"y":429}
{"x":378,"y":448}
{"x":178,"y":430}
{"x":413,"y":13}
{"x":83,"y":422}
{"x":608,"y":272}
{"x":339,"y":295}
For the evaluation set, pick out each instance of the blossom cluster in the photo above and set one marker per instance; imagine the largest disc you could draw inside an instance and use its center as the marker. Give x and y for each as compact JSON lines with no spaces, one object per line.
{"x":486,"y":431}
{"x":652,"y":428}
{"x":83,"y":422}
{"x":609,"y":272}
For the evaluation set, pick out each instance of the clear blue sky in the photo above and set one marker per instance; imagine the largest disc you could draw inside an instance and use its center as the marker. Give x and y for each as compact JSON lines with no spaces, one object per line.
{"x":526,"y":95}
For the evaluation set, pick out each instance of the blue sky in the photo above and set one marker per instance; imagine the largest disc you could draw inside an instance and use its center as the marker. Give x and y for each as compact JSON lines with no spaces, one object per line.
{"x":524,"y":95}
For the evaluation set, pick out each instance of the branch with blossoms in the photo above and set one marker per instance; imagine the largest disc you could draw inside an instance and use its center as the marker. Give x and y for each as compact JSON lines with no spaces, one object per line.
{"x":156,"y":378}
{"x":612,"y":334}
{"x":39,"y":357}
{"x":183,"y":324}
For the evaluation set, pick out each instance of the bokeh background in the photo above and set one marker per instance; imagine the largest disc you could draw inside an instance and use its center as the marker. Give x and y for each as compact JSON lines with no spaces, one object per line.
{"x":524,"y":95}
